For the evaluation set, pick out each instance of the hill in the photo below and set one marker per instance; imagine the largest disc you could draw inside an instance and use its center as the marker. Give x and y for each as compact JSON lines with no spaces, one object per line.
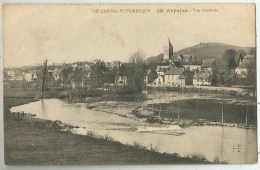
{"x":155,"y":59}
{"x":204,"y":51}
{"x":210,"y":50}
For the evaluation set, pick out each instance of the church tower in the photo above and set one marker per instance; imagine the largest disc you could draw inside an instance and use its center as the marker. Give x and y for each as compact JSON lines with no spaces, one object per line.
{"x":168,"y":52}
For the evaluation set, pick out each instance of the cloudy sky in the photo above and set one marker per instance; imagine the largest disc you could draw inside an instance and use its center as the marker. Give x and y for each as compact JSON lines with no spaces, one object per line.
{"x":68,"y":33}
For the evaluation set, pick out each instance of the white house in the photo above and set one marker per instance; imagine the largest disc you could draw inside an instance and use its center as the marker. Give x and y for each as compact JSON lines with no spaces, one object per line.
{"x":10,"y":73}
{"x":202,"y":77}
{"x":192,"y":65}
{"x":57,"y":74}
{"x":244,"y":66}
{"x":28,"y":77}
{"x":121,"y":79}
{"x":159,"y":80}
{"x":172,"y":77}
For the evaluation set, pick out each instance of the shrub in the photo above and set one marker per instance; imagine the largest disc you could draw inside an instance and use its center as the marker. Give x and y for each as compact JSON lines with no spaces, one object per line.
{"x":91,"y":134}
{"x":139,"y":146}
{"x":199,"y":157}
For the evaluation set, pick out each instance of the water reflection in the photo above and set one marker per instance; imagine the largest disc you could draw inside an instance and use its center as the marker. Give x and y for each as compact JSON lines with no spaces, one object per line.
{"x":207,"y":140}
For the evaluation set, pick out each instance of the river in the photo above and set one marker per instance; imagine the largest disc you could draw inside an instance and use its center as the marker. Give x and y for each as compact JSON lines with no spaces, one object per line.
{"x":233,"y":145}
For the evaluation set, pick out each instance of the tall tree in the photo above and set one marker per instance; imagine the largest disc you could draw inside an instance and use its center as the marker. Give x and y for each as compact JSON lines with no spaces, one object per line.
{"x":136,"y":71}
{"x":229,"y":56}
{"x":240,"y":58}
{"x":137,"y":57}
{"x":98,"y":71}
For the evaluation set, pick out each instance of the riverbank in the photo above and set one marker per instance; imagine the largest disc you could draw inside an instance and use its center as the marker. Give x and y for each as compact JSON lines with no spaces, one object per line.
{"x":34,"y":142}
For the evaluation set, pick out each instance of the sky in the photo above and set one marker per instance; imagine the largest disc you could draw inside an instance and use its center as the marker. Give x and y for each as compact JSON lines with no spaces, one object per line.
{"x":69,"y":33}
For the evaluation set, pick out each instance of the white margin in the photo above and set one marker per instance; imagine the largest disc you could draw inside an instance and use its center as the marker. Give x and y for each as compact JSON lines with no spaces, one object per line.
{"x":129,"y":167}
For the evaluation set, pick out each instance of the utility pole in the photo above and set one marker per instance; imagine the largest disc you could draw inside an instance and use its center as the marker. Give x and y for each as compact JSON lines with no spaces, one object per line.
{"x":152,"y":104}
{"x":44,"y":75}
{"x":160,"y":112}
{"x":178,"y":109}
{"x":246,"y":113}
{"x":222,"y":106}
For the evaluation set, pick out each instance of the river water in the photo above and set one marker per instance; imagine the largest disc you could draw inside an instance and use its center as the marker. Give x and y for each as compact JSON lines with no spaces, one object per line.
{"x":233,"y":145}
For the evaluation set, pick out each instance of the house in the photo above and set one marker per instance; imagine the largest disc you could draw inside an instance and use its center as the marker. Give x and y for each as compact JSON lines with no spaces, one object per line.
{"x":117,"y":64}
{"x":176,"y":64}
{"x":245,"y":65}
{"x":109,"y":65}
{"x":150,"y":76}
{"x":34,"y":76}
{"x":187,"y":75}
{"x":175,"y":77}
{"x":14,"y":74}
{"x":209,"y":64}
{"x":57,"y":74}
{"x":184,"y":57}
{"x":121,"y":79}
{"x":202,"y":77}
{"x":113,"y":65}
{"x":163,"y":65}
{"x":159,"y":80}
{"x":192,"y":65}
{"x":28,"y":77}
{"x":88,"y":65}
{"x":161,"y":72}
{"x":10,"y":73}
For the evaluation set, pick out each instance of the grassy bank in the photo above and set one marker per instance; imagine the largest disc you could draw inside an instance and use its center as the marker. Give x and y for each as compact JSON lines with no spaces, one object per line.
{"x":33,"y":142}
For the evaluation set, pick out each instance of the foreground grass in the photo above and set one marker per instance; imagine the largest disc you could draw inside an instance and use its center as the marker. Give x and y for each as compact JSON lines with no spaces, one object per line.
{"x":27,"y":143}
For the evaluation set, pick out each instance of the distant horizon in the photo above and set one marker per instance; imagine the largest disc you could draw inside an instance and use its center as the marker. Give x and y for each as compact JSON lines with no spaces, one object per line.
{"x":146,"y":57}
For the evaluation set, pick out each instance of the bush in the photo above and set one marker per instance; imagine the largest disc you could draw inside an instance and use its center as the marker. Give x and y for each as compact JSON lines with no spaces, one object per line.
{"x":91,"y":134}
{"x":139,"y":146}
{"x":199,"y":157}
{"x":217,"y":161}
{"x":106,"y":137}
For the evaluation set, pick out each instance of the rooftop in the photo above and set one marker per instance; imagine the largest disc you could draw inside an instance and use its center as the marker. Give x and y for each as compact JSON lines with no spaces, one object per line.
{"x":175,"y":71}
{"x":246,"y":63}
{"x":208,"y":63}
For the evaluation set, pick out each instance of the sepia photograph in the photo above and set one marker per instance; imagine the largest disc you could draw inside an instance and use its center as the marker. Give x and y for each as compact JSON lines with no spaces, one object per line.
{"x":129,"y":84}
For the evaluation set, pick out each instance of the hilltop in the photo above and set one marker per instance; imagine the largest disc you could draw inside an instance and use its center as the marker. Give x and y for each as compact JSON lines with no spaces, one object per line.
{"x":204,"y":51}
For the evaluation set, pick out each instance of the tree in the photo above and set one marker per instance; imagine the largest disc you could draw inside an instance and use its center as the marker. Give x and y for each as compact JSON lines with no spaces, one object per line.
{"x":136,"y":71}
{"x":229,"y":56}
{"x":98,"y":71}
{"x":137,"y":57}
{"x":252,"y":51}
{"x":241,"y":52}
{"x":251,"y":76}
{"x":65,"y":75}
{"x":240,"y":58}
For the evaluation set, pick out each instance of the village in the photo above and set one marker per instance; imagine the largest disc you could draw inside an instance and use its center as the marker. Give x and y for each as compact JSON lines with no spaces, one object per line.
{"x":173,"y":71}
